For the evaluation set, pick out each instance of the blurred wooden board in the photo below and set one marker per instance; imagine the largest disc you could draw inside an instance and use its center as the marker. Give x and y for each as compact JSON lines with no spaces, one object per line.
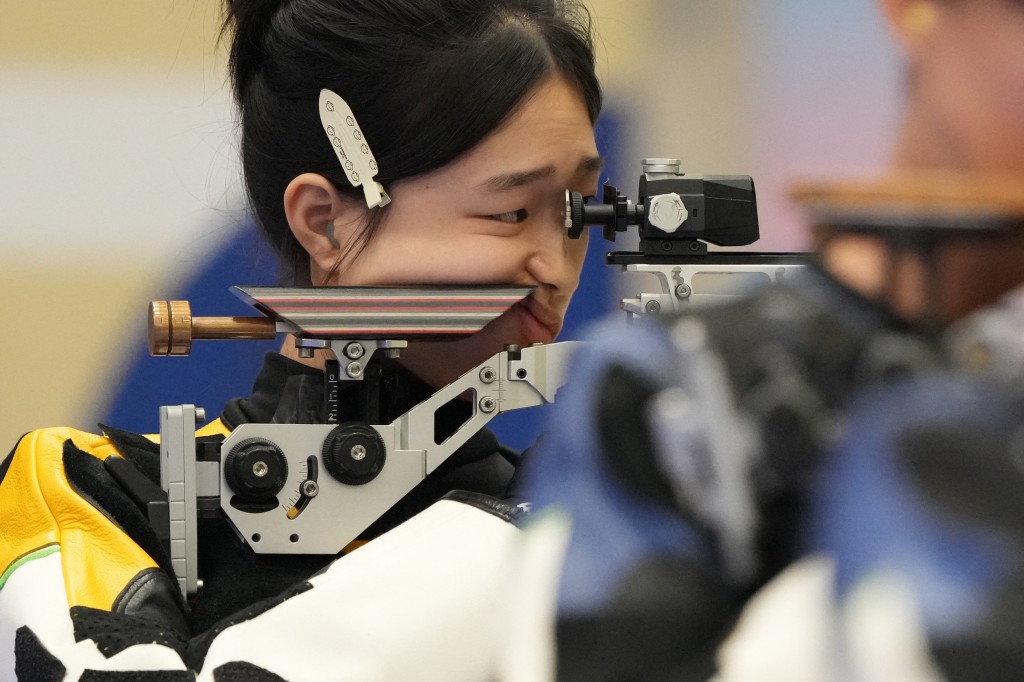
{"x":923,"y":200}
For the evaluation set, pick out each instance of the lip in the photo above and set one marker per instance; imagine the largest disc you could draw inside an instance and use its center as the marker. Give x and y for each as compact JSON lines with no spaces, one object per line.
{"x":544,"y":322}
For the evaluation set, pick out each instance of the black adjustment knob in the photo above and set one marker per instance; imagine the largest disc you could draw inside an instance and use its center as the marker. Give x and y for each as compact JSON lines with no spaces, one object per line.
{"x":574,"y":207}
{"x":619,"y":220}
{"x":256,"y":468}
{"x":354,"y":453}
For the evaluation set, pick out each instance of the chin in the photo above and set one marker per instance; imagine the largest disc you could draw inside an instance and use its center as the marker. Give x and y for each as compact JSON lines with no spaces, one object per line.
{"x":441,"y":362}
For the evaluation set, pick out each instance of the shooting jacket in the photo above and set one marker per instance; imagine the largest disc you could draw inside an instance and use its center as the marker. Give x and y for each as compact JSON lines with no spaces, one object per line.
{"x":86,"y":586}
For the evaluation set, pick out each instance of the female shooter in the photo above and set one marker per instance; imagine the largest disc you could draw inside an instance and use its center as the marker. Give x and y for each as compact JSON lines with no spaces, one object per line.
{"x":480,"y":114}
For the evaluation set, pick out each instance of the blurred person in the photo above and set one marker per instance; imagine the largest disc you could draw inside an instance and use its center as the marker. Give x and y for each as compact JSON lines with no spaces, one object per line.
{"x":702,"y":461}
{"x":964,"y":79}
{"x":479,"y":115}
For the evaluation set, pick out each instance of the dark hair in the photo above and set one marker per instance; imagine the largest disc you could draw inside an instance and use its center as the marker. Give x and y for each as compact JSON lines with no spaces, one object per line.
{"x":426,"y":79}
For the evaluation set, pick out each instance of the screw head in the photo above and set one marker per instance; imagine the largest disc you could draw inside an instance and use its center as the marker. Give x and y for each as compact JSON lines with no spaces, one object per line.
{"x":354,"y":350}
{"x":683,"y":291}
{"x":488,"y":375}
{"x":354,"y":369}
{"x":260,"y":469}
{"x":358,"y":452}
{"x":310,"y":488}
{"x":653,"y":307}
{"x":488,"y":404}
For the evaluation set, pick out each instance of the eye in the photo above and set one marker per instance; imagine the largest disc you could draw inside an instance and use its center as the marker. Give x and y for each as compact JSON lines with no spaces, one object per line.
{"x":511,"y":216}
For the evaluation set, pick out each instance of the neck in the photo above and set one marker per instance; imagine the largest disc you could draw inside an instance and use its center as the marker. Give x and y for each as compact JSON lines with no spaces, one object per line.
{"x":432,"y":361}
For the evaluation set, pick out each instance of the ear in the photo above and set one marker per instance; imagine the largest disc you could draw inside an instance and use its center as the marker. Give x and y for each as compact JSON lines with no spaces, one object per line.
{"x":912,"y":22}
{"x":324,"y":221}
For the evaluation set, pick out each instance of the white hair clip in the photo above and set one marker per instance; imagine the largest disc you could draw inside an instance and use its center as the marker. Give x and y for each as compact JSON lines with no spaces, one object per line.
{"x":350,"y":146}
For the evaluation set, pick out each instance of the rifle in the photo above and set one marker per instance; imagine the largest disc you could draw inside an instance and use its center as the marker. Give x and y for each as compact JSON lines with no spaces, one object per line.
{"x":270,"y":480}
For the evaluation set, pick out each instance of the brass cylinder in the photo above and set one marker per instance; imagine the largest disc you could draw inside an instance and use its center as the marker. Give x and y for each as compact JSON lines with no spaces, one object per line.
{"x":172,"y":328}
{"x":233,"y":328}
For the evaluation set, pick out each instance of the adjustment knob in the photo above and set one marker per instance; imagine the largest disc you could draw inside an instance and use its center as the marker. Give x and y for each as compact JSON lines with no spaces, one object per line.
{"x":661,"y":166}
{"x":574,"y":214}
{"x":667,"y":212}
{"x":170,"y":328}
{"x":256,"y":468}
{"x":354,"y":453}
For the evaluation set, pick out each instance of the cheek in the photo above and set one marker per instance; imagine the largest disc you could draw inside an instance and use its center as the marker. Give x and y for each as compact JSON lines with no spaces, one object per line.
{"x":577,"y":250}
{"x":581,"y":245}
{"x":465,"y":259}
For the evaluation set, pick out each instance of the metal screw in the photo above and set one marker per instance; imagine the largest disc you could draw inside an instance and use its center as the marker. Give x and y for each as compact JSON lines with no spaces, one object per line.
{"x":358,"y":452}
{"x":260,"y":469}
{"x":305,"y":352}
{"x":521,"y":373}
{"x":488,"y":404}
{"x":310,"y":488}
{"x":354,"y":350}
{"x":487,"y":375}
{"x":393,"y":353}
{"x":200,"y":415}
{"x":683,"y":291}
{"x":354,"y":369}
{"x":653,"y":307}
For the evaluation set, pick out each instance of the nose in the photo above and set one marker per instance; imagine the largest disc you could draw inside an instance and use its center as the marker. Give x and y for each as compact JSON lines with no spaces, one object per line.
{"x":555,"y":259}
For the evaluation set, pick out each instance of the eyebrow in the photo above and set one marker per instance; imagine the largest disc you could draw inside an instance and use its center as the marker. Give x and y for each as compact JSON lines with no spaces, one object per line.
{"x":507,"y":181}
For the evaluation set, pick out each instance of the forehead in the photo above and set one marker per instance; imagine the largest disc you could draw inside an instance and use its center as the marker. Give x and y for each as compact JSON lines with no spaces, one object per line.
{"x":550,"y":128}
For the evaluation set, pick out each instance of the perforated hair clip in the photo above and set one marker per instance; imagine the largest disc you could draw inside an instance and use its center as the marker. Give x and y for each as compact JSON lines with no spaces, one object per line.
{"x":349,"y":144}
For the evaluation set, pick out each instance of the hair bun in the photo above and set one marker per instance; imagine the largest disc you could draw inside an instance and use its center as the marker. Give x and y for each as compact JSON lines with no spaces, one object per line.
{"x":250,"y":21}
{"x":245,"y":10}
